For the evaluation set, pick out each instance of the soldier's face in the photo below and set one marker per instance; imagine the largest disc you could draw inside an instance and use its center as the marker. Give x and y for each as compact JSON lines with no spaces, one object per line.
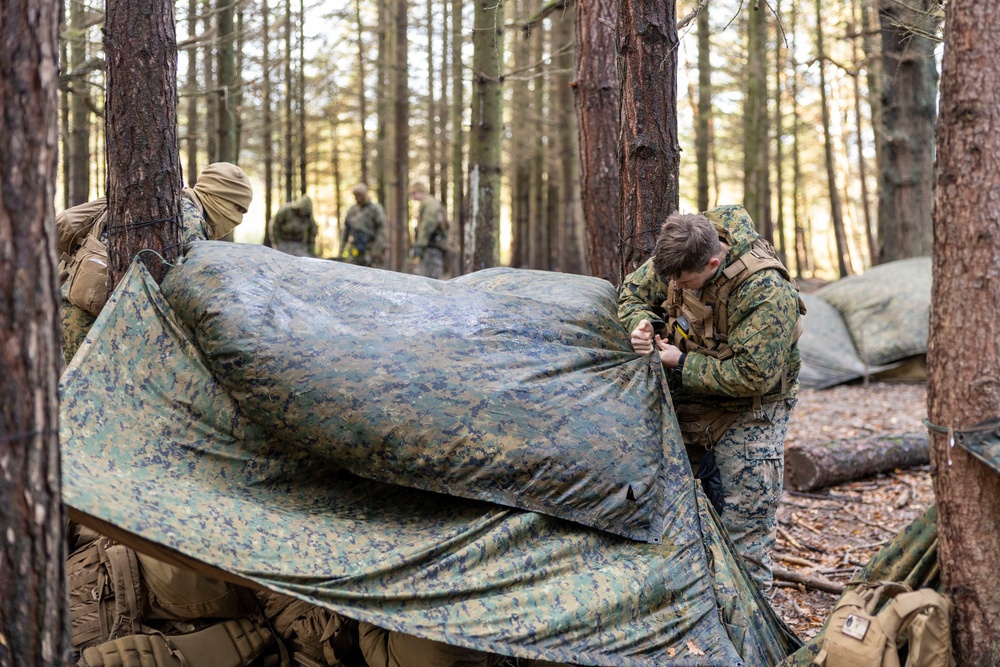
{"x":697,"y":279}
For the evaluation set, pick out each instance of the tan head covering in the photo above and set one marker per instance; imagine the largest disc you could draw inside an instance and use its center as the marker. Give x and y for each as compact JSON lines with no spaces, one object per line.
{"x":360,"y":189}
{"x":225,"y":192}
{"x":303,"y":205}
{"x":418,"y":186}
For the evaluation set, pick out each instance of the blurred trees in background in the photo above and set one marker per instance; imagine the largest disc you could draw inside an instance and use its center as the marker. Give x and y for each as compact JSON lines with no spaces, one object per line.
{"x":812,"y":115}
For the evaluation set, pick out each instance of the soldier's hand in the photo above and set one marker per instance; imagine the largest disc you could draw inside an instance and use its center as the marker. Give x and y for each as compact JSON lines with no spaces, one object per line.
{"x":642,"y":337}
{"x":670,"y":355}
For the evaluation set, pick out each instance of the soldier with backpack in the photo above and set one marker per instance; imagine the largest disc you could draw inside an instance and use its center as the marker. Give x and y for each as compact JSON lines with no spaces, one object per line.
{"x":363,"y":240}
{"x":431,"y":241}
{"x":723,"y":315}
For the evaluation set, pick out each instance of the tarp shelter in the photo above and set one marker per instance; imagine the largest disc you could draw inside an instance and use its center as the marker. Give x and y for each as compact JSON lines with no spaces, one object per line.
{"x":156,"y":449}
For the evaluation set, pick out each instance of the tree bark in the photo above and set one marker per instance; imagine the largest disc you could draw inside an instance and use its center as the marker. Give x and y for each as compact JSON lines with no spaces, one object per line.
{"x":801,"y":246}
{"x":598,"y":103}
{"x":539,"y":248}
{"x":809,"y":467}
{"x":909,"y":99}
{"x":265,"y":13}
{"x":225,"y":67}
{"x":756,"y":135}
{"x":34,"y":615}
{"x":965,"y":315}
{"x":431,"y":106}
{"x":520,"y":141}
{"x":208,"y":73}
{"x":191,"y":90}
{"x":570,"y":253}
{"x":399,"y":157}
{"x":485,"y":140}
{"x":144,"y":172}
{"x":649,"y":151}
{"x":288,"y":147}
{"x":836,"y":209}
{"x":457,"y":137}
{"x":779,"y":139}
{"x":362,"y":97}
{"x":704,"y":117}
{"x":79,"y":147}
{"x":862,"y":162}
{"x":300,"y":96}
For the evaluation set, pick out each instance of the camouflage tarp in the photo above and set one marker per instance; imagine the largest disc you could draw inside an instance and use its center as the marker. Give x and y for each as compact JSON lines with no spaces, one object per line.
{"x":153,"y":445}
{"x":528,"y":396}
{"x":886,"y":309}
{"x":828,"y":354}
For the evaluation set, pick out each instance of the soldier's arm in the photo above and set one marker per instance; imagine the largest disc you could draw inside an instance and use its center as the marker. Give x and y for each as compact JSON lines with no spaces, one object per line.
{"x":762,"y":317}
{"x":640,"y":296}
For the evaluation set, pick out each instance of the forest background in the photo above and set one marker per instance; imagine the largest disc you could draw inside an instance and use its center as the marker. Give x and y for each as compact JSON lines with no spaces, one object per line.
{"x":818,"y":116}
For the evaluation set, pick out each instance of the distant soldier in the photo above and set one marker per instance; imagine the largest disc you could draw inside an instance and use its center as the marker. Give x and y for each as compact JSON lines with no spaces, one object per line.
{"x":209,"y":210}
{"x":431,"y":241}
{"x":293,"y":229}
{"x":363,"y":240}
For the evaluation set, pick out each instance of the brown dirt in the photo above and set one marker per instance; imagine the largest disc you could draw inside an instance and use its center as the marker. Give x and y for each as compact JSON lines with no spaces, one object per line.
{"x":833,"y":537}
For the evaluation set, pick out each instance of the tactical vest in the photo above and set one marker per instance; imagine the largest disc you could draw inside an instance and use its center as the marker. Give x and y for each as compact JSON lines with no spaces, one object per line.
{"x":700,"y":322}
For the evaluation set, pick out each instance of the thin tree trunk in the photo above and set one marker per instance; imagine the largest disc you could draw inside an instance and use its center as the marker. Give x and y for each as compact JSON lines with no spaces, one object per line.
{"x":836,"y":211}
{"x":288,"y":148}
{"x":208,"y":73}
{"x":538,"y":238}
{"x":191,"y":89}
{"x":238,"y":81}
{"x":34,"y":616}
{"x":399,"y":163}
{"x":571,"y":249}
{"x":909,"y":107}
{"x":444,"y":149}
{"x":756,"y":187}
{"x":362,"y":97}
{"x":381,"y":103}
{"x":598,"y":101}
{"x":862,"y":163}
{"x":801,"y":247}
{"x":649,"y":150}
{"x":79,"y":147}
{"x":144,"y":172}
{"x":225,"y":67}
{"x":779,"y":137}
{"x":704,"y":117}
{"x":431,"y":105}
{"x":64,"y":93}
{"x":965,"y":316}
{"x":485,"y":140}
{"x":457,"y":136}
{"x":301,"y":100}
{"x":335,"y":167}
{"x":519,"y":144}
{"x":268,"y":120}
{"x":873,"y":76}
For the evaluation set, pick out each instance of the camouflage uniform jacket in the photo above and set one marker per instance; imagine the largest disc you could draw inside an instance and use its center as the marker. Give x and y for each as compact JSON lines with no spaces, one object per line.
{"x":431,"y":228}
{"x":364,"y":232}
{"x":288,"y":226}
{"x":762,"y":314}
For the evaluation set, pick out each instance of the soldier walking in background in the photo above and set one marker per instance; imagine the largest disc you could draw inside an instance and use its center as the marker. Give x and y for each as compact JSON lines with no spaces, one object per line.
{"x":431,"y":240}
{"x":293,"y":228}
{"x":720,"y":308}
{"x":363,"y":240}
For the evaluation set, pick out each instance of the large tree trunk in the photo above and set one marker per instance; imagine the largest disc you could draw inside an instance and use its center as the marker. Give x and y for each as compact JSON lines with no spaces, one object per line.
{"x":487,"y":129}
{"x":265,"y":13}
{"x":756,"y":137}
{"x":963,"y":357}
{"x":649,"y":151}
{"x":836,"y":209}
{"x":34,"y":615}
{"x":79,"y":145}
{"x":144,"y":171}
{"x":909,"y":99}
{"x":570,"y":254}
{"x":598,"y":102}
{"x":399,"y":156}
{"x":457,"y":137}
{"x":704,"y":117}
{"x":225,"y":67}
{"x":520,"y":145}
{"x":815,"y":466}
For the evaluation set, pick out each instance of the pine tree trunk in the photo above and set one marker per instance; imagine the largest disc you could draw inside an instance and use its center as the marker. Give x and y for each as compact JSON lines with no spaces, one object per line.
{"x":144,"y":172}
{"x":756,"y":186}
{"x":238,"y":83}
{"x":288,"y":147}
{"x":64,"y":93}
{"x":571,"y":251}
{"x":208,"y":73}
{"x":836,"y":209}
{"x":191,"y":89}
{"x":520,"y":145}
{"x":268,"y":119}
{"x":779,"y":139}
{"x":862,"y":163}
{"x":649,"y":151}
{"x":79,"y":145}
{"x":458,"y":216}
{"x":598,"y":101}
{"x":382,"y":104}
{"x":431,"y":106}
{"x":300,"y":96}
{"x":963,"y":361}
{"x":399,"y":160}
{"x":485,"y":140}
{"x":873,"y":78}
{"x":538,"y":243}
{"x":704,"y":117}
{"x":34,"y":615}
{"x":225,"y":67}
{"x":362,"y":97}
{"x":909,"y":108}
{"x":444,"y":149}
{"x":801,"y":245}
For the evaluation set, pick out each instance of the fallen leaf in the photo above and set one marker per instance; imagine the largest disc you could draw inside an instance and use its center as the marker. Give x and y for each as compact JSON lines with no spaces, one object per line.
{"x":691,"y":646}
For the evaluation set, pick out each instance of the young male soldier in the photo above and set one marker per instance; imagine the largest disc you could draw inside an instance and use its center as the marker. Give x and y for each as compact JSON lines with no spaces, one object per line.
{"x":431,"y":240}
{"x":363,"y":240}
{"x":724,"y":316}
{"x":293,"y":229}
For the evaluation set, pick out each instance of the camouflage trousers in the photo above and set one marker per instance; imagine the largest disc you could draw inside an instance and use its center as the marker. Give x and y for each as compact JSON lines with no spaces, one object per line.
{"x":751,"y":459}
{"x":75,"y":323}
{"x":431,"y":263}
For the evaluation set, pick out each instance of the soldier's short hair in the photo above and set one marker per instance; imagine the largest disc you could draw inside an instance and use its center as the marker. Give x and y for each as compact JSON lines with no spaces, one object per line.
{"x":686,"y":243}
{"x":360,"y":189}
{"x":418,"y":186}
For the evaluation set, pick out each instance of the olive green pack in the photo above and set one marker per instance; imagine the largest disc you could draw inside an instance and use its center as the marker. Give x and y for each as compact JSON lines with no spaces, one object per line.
{"x":858,"y":637}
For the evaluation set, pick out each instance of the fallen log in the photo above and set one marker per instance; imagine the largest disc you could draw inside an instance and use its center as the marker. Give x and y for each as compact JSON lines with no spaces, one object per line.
{"x":815,"y":466}
{"x":816,"y":582}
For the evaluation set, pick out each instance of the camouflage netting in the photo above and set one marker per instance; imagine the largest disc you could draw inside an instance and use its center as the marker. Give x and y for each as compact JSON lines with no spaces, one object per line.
{"x":154,"y":445}
{"x":521,"y":391}
{"x":886,"y":309}
{"x":828,"y":354}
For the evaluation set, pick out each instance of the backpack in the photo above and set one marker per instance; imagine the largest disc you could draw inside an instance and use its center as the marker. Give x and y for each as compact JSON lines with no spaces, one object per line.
{"x":858,"y":637}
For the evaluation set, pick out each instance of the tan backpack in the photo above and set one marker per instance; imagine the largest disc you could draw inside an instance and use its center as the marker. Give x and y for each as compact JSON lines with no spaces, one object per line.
{"x":857,"y":637}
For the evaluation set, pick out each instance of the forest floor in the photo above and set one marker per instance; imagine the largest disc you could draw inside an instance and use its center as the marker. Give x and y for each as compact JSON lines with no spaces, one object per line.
{"x":834,"y":536}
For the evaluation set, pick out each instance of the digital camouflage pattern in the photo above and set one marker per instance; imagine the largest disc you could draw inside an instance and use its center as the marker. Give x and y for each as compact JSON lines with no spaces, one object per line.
{"x":762,"y":314}
{"x":293,"y":229}
{"x":363,"y":241}
{"x":76,"y":322}
{"x":431,"y":231}
{"x":886,"y":309}
{"x":534,"y":403}
{"x":163,"y":452}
